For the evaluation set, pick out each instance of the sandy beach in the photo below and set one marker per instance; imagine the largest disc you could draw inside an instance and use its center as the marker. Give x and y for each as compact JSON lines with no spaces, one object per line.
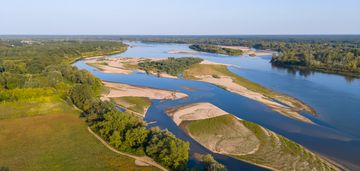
{"x":230,"y":85}
{"x":249,"y":51}
{"x":123,"y":90}
{"x":195,"y":111}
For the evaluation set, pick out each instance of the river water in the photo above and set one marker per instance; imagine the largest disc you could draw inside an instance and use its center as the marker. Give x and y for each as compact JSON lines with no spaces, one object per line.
{"x":336,"y":98}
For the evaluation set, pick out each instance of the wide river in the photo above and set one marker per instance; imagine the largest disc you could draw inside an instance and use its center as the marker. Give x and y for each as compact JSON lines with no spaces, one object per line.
{"x":336,"y":134}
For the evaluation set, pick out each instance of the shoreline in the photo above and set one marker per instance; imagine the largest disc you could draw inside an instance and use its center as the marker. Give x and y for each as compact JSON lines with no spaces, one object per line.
{"x":119,"y":90}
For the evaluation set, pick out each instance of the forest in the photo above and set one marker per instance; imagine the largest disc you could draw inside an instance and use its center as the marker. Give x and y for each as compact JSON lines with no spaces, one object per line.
{"x":39,"y":70}
{"x":172,"y":66}
{"x":216,"y":49}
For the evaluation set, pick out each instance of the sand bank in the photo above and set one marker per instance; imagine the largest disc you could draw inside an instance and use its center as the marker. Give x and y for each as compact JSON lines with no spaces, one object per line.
{"x":123,"y":90}
{"x":195,"y":111}
{"x":229,"y":84}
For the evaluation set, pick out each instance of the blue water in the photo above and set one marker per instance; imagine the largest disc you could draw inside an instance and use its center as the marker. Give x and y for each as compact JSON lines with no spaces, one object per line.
{"x":335,"y":98}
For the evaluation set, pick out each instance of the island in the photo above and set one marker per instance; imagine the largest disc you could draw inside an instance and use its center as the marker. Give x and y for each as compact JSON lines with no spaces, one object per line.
{"x":217,"y":49}
{"x":223,"y":133}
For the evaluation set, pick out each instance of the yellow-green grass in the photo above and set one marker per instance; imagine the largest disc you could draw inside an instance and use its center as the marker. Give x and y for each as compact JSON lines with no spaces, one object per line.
{"x":56,"y":141}
{"x":136,"y":104}
{"x":130,"y":66}
{"x":275,"y":151}
{"x":221,"y":70}
{"x":96,"y":65}
{"x":33,"y":107}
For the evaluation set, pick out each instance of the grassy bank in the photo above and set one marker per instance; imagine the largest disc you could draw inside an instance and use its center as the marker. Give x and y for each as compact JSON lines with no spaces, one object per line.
{"x":55,"y":140}
{"x":216,"y":49}
{"x":254,"y":144}
{"x":136,"y":104}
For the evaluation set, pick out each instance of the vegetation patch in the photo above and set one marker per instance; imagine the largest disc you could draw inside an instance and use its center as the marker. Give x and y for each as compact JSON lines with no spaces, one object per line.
{"x":280,"y":153}
{"x":40,"y":106}
{"x":223,"y":134}
{"x":134,"y":104}
{"x":172,"y":66}
{"x":216,"y":49}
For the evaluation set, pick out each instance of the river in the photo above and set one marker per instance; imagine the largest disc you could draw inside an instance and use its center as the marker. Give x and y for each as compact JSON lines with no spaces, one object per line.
{"x":336,"y":134}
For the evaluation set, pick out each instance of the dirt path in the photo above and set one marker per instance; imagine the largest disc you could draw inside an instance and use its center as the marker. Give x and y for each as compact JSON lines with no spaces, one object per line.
{"x":138,"y":160}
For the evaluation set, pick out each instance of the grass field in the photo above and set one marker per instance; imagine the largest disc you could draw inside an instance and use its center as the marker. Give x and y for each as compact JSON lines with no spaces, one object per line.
{"x":39,"y":106}
{"x":274,"y":151}
{"x":54,"y":140}
{"x":221,"y":70}
{"x":136,"y":104}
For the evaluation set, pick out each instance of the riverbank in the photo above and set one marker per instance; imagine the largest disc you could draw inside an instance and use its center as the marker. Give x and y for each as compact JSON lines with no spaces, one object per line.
{"x":228,"y":50}
{"x":225,"y":134}
{"x":124,"y":90}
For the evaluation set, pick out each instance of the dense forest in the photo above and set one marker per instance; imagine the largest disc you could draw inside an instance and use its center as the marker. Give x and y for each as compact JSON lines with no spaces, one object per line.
{"x":216,"y":49}
{"x":337,"y":58}
{"x":41,"y":70}
{"x":172,"y":66}
{"x":336,"y":54}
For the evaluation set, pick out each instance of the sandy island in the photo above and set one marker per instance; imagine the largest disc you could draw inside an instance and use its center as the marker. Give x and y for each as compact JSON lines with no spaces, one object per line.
{"x":230,"y":85}
{"x":219,"y":75}
{"x":124,"y":90}
{"x":226,"y":134}
{"x":195,"y":111}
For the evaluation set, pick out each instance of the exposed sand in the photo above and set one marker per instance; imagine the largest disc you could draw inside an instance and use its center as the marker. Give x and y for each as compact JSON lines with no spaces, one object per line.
{"x":183,"y":51}
{"x":121,"y":65}
{"x":243,"y":48}
{"x":228,"y":83}
{"x":195,"y":111}
{"x":249,"y":51}
{"x":122,"y":90}
{"x":233,"y":139}
{"x":113,"y":65}
{"x":212,"y":63}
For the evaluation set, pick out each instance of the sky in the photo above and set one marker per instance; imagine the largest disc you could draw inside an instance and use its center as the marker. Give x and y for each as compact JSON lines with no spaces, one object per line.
{"x":179,"y":17}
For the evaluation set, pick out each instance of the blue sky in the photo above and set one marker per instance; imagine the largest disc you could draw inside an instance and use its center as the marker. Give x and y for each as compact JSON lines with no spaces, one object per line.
{"x":182,"y":17}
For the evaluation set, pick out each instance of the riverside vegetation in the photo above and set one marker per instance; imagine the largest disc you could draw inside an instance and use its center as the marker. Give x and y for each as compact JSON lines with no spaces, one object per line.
{"x":36,"y":78}
{"x":216,"y":49}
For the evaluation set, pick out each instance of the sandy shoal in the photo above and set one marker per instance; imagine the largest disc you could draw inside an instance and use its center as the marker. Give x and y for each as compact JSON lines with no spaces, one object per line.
{"x":195,"y":111}
{"x":122,"y":90}
{"x":228,"y":83}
